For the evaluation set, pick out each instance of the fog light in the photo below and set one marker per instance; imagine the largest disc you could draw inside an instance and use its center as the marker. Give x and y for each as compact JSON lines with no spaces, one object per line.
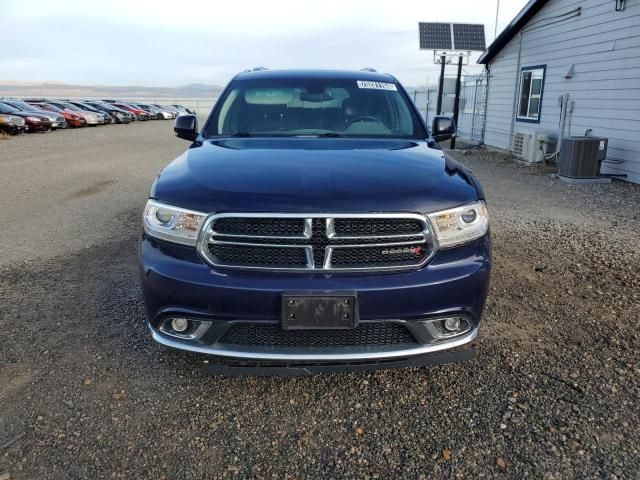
{"x":452,"y":324}
{"x":180,"y":324}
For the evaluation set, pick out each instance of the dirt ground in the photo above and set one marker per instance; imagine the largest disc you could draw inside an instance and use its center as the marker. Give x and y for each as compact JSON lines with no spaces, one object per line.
{"x":85,"y":393}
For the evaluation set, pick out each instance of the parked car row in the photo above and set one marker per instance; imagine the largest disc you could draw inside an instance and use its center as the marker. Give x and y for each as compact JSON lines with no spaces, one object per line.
{"x":44,"y":114}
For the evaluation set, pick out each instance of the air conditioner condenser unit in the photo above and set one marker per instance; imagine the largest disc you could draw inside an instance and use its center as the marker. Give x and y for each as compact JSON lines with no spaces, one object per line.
{"x":530,"y":147}
{"x":520,"y":145}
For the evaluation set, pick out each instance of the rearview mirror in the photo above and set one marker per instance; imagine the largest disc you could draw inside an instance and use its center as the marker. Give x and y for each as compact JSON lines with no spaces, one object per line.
{"x":443,"y":128}
{"x":186,"y":127}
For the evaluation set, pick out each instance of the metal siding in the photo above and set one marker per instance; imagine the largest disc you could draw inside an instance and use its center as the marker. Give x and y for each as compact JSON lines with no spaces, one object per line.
{"x":604,"y":47}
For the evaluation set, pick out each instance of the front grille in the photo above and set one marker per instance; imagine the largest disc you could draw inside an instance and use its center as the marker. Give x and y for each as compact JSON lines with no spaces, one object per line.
{"x":326,"y":242}
{"x":271,"y":335}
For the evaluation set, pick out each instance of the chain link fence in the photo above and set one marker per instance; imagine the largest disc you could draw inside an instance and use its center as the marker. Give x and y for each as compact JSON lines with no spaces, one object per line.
{"x":472,"y":110}
{"x":202,"y":106}
{"x":471,"y":115}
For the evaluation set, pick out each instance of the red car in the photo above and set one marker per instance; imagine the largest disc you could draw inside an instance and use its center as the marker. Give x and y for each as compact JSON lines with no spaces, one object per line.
{"x":138,"y":112}
{"x":74,"y":121}
{"x":33,"y":121}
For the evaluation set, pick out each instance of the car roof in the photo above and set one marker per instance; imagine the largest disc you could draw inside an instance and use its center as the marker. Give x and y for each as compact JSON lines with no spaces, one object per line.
{"x":316,"y":74}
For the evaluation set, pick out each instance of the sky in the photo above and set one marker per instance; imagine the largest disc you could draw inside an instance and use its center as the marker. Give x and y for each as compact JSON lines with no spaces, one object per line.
{"x":157,"y":43}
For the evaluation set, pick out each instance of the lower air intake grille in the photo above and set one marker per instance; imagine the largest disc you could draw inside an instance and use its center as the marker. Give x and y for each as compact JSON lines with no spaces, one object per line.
{"x":271,"y":335}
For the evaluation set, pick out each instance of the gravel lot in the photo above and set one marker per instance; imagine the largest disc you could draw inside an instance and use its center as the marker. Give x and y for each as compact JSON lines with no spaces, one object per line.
{"x":84,"y":393}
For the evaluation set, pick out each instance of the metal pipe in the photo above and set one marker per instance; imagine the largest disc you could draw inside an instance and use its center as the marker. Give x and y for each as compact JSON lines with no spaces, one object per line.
{"x":456,"y":102}
{"x":475,"y":104}
{"x":443,"y":59}
{"x":426,"y":108}
{"x":563,"y":120}
{"x":495,"y":30}
{"x":564,"y":100}
{"x":514,"y":106}
{"x":486,"y":102}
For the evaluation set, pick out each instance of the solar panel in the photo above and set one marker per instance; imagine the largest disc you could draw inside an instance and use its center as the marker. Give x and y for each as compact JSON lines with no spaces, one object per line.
{"x":468,"y":36}
{"x":435,"y":36}
{"x":451,"y":36}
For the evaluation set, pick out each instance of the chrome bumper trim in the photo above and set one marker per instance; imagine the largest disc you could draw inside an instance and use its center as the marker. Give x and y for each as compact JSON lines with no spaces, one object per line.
{"x":330,"y":355}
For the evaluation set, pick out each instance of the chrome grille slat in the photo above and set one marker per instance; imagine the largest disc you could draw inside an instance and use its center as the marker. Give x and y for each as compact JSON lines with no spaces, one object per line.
{"x":317,"y":237}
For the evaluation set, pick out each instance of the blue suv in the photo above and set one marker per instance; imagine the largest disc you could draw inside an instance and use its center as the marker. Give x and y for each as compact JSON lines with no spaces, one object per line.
{"x":315,"y":224}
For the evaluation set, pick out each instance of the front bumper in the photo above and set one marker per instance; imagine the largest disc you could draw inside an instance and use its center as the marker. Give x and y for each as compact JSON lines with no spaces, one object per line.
{"x":176,"y":282}
{"x":13,"y":128}
{"x":38,"y":127}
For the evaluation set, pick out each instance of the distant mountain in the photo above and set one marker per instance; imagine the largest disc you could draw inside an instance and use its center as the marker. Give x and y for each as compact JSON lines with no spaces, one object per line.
{"x":56,"y":89}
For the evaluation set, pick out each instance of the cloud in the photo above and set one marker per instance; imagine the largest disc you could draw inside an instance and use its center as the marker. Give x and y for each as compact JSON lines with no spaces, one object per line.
{"x":156,"y":43}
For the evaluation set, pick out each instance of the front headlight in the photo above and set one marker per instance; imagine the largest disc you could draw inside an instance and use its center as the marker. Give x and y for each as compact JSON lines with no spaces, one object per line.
{"x":460,"y":225}
{"x":34,"y":119}
{"x":173,"y":224}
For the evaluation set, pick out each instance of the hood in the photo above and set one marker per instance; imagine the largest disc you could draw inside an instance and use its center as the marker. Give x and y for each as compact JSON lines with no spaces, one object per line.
{"x":314,"y":175}
{"x":41,"y":113}
{"x":37,"y":112}
{"x":66,"y":114}
{"x":86,"y":113}
{"x":53,"y":116}
{"x":24,"y":114}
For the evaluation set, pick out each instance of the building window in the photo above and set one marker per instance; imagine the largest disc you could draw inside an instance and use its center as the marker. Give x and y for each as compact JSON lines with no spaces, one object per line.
{"x":530,"y":99}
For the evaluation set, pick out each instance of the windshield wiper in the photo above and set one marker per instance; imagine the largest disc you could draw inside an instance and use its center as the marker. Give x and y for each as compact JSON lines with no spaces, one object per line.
{"x":312,"y":135}
{"x":239,"y":135}
{"x":330,"y":135}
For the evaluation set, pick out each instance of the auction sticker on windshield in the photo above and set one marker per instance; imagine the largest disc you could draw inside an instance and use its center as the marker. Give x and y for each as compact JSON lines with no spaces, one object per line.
{"x":376,"y":85}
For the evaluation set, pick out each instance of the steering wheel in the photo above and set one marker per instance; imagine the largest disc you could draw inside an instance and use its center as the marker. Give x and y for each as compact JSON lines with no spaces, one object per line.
{"x":362,"y":118}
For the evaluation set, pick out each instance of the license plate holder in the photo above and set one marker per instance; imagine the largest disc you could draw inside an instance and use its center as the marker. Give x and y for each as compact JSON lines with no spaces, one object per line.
{"x":314,"y":311}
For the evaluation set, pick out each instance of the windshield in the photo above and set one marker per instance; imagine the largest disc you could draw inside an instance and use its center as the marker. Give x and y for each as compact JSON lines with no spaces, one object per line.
{"x":49,"y":106}
{"x":314,"y":107}
{"x":21,"y":105}
{"x":70,"y":106}
{"x":4,"y":108}
{"x":82,"y":106}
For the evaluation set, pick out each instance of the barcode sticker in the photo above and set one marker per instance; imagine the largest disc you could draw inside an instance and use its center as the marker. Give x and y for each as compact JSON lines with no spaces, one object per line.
{"x":377,"y":85}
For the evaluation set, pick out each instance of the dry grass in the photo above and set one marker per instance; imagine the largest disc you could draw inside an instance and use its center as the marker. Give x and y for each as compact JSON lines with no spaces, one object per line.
{"x":4,"y":136}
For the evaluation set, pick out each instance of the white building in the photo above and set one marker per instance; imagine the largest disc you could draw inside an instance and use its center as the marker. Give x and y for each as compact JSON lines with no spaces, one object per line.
{"x":588,"y":49}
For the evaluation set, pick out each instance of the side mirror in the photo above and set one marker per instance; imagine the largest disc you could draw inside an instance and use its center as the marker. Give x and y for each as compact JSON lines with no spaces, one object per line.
{"x":443,"y":128}
{"x":186,"y":127}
